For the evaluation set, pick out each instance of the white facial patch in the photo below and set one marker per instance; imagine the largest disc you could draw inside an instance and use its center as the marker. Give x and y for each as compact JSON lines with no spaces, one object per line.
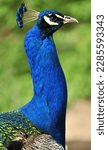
{"x":58,"y":16}
{"x":47,"y":19}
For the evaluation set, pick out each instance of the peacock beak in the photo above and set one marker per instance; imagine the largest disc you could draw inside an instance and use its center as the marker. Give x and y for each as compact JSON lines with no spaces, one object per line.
{"x":68,"y":19}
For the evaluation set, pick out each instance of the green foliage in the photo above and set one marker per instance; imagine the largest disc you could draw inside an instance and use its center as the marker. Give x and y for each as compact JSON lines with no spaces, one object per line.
{"x":73,"y":45}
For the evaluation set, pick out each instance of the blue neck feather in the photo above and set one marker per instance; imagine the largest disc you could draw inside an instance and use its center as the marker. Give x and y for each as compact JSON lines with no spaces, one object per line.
{"x":47,"y":108}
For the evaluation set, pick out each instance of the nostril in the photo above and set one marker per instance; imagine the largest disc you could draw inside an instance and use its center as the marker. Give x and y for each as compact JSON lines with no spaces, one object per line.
{"x":67,"y":17}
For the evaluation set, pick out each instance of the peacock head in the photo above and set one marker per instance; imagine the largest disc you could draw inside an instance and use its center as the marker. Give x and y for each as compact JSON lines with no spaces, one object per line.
{"x":48,"y":20}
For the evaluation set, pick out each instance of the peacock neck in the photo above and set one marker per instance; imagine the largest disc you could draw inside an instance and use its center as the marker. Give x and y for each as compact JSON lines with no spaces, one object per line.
{"x":42,"y":56}
{"x":47,"y":108}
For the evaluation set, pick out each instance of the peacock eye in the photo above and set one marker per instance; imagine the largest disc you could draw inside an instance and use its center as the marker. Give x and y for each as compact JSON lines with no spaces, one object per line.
{"x":53,"y":18}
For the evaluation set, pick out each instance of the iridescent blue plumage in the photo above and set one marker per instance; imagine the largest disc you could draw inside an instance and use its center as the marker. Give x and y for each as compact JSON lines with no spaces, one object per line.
{"x":21,"y":10}
{"x":48,"y":106}
{"x":47,"y":109}
{"x":46,"y":112}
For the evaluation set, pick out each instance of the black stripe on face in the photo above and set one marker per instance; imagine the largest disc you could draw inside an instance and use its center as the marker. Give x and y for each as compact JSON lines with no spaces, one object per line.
{"x":55,"y":18}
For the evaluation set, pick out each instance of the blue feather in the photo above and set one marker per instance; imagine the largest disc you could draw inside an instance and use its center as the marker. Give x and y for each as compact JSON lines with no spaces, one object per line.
{"x":46,"y":112}
{"x":48,"y":106}
{"x":21,"y":10}
{"x":25,"y":15}
{"x":47,"y":109}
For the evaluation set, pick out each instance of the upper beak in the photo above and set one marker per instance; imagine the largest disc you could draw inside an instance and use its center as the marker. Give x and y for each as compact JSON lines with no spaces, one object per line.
{"x":68,"y":19}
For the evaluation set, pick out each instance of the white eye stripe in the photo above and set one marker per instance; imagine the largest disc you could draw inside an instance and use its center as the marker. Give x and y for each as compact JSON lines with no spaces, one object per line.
{"x":58,"y":16}
{"x":49,"y":14}
{"x":47,"y":19}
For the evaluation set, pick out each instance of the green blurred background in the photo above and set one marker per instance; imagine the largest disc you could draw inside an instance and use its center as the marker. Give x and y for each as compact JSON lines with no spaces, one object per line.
{"x":73,"y":45}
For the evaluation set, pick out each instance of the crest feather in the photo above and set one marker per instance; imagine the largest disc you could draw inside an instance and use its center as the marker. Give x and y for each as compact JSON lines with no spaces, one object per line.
{"x":25,"y":15}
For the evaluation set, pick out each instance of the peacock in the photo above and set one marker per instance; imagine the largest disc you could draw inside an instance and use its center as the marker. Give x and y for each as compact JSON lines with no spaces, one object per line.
{"x":39,"y":124}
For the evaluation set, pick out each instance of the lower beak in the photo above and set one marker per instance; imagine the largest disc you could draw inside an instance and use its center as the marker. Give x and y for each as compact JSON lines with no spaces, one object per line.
{"x":68,"y":19}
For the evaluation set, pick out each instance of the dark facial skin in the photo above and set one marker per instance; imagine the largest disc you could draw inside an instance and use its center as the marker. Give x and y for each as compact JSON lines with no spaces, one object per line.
{"x":50,"y":29}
